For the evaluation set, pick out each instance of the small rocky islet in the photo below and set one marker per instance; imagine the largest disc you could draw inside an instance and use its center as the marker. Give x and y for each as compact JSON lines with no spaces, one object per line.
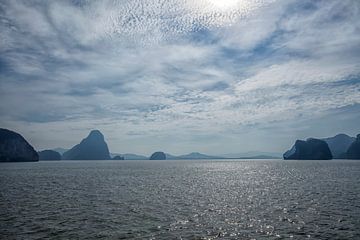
{"x":158,"y":156}
{"x":49,"y":155}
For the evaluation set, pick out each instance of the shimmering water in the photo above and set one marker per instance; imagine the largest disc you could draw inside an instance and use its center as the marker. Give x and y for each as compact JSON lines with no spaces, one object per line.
{"x":180,"y":200}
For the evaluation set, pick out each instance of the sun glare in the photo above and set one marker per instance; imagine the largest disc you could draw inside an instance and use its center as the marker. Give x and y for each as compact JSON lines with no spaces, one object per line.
{"x":222,"y":12}
{"x":224,"y":4}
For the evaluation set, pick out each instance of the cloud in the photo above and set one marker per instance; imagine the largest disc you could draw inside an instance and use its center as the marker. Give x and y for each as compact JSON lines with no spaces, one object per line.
{"x":154,"y":69}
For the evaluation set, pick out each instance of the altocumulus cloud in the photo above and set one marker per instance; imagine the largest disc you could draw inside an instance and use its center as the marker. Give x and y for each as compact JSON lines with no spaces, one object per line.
{"x":178,"y":75}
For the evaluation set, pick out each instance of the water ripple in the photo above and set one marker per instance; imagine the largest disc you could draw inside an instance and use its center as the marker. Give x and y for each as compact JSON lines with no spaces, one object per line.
{"x":180,"y":200}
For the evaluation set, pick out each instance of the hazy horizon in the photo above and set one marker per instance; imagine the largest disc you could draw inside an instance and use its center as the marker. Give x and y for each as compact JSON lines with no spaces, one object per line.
{"x":243,"y":153}
{"x":213,"y":76}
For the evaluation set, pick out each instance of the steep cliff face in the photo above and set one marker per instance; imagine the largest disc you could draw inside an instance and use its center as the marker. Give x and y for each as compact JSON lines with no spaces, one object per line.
{"x":311,"y":149}
{"x":93,"y":147}
{"x":14,"y":148}
{"x":354,"y":150}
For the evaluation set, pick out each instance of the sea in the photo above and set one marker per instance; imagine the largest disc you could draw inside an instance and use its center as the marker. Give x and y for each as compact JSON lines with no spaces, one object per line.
{"x":191,"y":199}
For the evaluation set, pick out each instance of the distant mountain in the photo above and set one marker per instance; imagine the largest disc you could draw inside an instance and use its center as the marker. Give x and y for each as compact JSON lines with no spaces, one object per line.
{"x":260,"y":157}
{"x":14,"y":148}
{"x":196,"y":155}
{"x":339,"y":145}
{"x":93,"y":147}
{"x":49,"y":155}
{"x":60,"y":150}
{"x":127,"y":156}
{"x":170,"y":156}
{"x":252,"y":155}
{"x":354,"y":150}
{"x":311,"y":149}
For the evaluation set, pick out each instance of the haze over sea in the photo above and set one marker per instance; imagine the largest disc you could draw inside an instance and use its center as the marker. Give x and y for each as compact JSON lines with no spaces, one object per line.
{"x":247,"y":199}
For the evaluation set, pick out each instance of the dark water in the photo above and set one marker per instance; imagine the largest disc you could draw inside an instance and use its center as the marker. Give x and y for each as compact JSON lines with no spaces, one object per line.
{"x":180,"y":200}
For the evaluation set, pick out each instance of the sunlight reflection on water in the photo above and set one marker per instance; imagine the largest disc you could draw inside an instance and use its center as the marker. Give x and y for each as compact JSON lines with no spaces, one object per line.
{"x":181,"y":199}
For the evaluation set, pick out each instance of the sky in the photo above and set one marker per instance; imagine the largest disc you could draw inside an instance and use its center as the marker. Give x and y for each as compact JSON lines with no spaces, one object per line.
{"x":214,"y":76}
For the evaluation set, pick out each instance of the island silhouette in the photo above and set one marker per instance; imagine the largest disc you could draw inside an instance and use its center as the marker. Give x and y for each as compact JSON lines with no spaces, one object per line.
{"x":14,"y":148}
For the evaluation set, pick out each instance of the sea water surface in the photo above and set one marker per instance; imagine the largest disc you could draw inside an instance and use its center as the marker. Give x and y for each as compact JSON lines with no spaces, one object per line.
{"x":240,"y":199}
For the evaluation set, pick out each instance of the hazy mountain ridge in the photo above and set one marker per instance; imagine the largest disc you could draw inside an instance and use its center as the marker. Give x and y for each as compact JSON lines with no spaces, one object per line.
{"x":339,"y":145}
{"x":60,"y":150}
{"x":195,"y":155}
{"x":252,"y":154}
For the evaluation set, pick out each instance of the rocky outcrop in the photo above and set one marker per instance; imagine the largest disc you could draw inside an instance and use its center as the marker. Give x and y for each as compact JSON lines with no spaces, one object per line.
{"x":49,"y":155}
{"x":158,"y":156}
{"x":93,"y":147}
{"x":14,"y":148}
{"x":354,"y":150}
{"x":311,"y":149}
{"x":339,"y":144}
{"x":118,"y":158}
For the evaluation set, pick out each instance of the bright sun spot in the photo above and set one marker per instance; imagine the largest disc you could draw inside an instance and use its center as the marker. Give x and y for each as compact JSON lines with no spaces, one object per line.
{"x":223,"y":12}
{"x":224,"y":4}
